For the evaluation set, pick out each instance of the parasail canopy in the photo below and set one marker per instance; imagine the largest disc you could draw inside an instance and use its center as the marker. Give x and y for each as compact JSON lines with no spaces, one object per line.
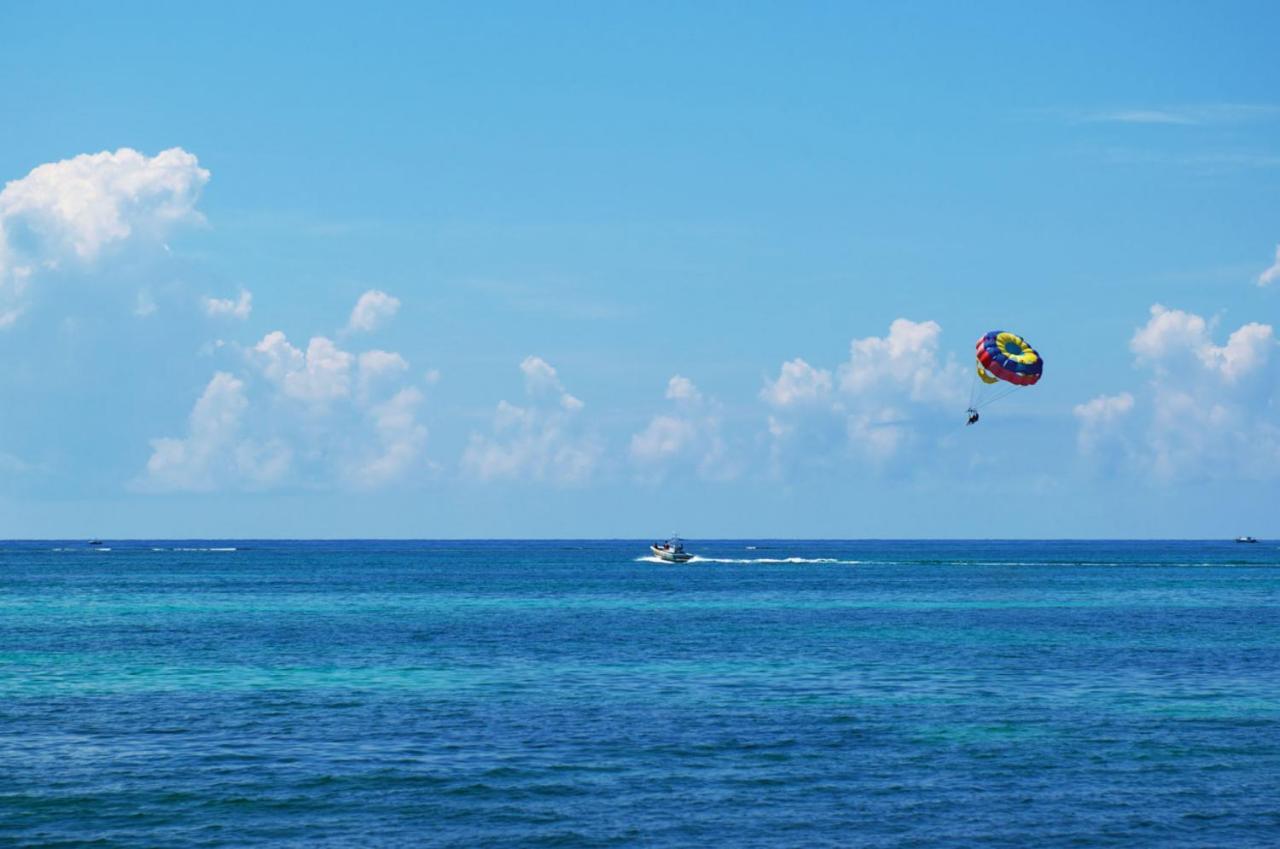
{"x":1007,"y":356}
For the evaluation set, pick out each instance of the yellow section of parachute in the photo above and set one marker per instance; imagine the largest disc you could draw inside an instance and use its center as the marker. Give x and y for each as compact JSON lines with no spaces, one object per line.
{"x":986,"y":378}
{"x":1015,"y":348}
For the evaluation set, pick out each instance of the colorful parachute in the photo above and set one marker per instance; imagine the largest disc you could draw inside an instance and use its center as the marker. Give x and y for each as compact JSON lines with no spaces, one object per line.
{"x":1007,"y":356}
{"x":1002,"y":357}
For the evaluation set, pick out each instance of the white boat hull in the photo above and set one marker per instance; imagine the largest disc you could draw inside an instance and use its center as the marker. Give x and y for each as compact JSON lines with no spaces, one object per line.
{"x":670,"y":556}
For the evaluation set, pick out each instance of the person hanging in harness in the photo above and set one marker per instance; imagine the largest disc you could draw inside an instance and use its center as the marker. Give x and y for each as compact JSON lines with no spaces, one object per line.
{"x":1004,"y":362}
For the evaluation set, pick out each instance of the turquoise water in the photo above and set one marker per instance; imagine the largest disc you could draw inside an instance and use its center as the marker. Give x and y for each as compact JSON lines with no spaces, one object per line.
{"x":924,"y":694}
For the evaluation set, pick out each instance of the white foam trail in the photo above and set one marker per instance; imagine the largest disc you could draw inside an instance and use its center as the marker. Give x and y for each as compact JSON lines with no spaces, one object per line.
{"x":748,"y":560}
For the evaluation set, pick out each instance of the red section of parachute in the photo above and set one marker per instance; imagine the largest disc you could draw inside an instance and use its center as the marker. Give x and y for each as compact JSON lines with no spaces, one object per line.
{"x":989,"y":363}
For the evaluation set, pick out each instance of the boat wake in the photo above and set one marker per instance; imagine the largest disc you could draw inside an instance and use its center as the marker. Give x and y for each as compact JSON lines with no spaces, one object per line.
{"x":750,"y":560}
{"x":202,"y":548}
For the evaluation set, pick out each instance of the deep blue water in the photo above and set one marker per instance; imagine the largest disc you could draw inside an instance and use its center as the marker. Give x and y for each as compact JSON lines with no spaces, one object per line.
{"x":922,"y":694}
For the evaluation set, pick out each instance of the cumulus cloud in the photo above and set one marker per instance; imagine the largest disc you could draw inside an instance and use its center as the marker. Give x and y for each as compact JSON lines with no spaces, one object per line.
{"x":687,"y":434}
{"x":81,"y":205}
{"x":401,"y":440}
{"x":887,"y":394}
{"x":321,"y":417}
{"x":797,"y":383}
{"x":664,"y":438}
{"x":1169,"y":333}
{"x":541,"y":380}
{"x":320,"y":375}
{"x":1175,"y":339}
{"x":1099,"y":420}
{"x":905,"y":362}
{"x":214,"y":451}
{"x":1208,"y":410}
{"x":682,"y":389}
{"x":1104,"y":409}
{"x":1272,"y":274}
{"x":542,"y":440}
{"x":303,"y":422}
{"x":70,"y":212}
{"x":228,"y":308}
{"x":372,"y":310}
{"x":375,"y":367}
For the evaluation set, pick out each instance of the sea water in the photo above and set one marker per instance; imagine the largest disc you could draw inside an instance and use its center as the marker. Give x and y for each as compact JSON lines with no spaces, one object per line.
{"x":768,"y":694}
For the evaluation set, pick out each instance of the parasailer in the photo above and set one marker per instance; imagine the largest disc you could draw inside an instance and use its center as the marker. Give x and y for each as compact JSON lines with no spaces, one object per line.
{"x":1002,"y":358}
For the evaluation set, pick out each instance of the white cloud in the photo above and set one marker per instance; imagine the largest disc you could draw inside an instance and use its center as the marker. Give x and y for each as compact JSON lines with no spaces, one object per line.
{"x":72,"y":211}
{"x":541,"y":379}
{"x":1247,"y":350}
{"x":1210,"y":410}
{"x":1099,"y":419}
{"x":797,"y":383}
{"x":687,"y":434}
{"x":225,"y":307}
{"x":83,"y":204}
{"x":376,"y":369}
{"x":1173,"y":339}
{"x":401,"y":440}
{"x":906,"y":362}
{"x":664,"y":438}
{"x":1169,"y":333}
{"x":877,"y":435}
{"x":1104,"y":409}
{"x":334,"y":436}
{"x":682,"y":389}
{"x":889,"y":393}
{"x":372,"y":310}
{"x":213,"y":451}
{"x":1272,"y":274}
{"x":541,"y":441}
{"x":320,"y":375}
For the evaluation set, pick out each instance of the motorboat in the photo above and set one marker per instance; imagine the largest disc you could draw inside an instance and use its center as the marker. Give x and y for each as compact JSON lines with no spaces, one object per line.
{"x":1245,"y":539}
{"x":671,"y":551}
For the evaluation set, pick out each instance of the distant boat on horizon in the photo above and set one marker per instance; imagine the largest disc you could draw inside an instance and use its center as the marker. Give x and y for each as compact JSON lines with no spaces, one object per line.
{"x":95,"y":542}
{"x":1245,"y":539}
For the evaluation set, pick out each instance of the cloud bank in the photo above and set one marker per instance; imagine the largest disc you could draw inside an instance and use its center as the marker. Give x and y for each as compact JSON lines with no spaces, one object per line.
{"x":314,"y":417}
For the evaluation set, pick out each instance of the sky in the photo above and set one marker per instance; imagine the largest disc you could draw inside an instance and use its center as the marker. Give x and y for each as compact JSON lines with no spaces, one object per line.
{"x":622,"y":270}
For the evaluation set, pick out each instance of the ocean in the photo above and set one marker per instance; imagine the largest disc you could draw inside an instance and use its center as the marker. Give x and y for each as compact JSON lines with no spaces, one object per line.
{"x":577,"y":694}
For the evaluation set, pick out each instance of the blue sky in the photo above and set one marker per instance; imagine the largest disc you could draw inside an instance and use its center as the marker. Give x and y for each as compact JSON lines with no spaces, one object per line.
{"x":544,"y":270}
